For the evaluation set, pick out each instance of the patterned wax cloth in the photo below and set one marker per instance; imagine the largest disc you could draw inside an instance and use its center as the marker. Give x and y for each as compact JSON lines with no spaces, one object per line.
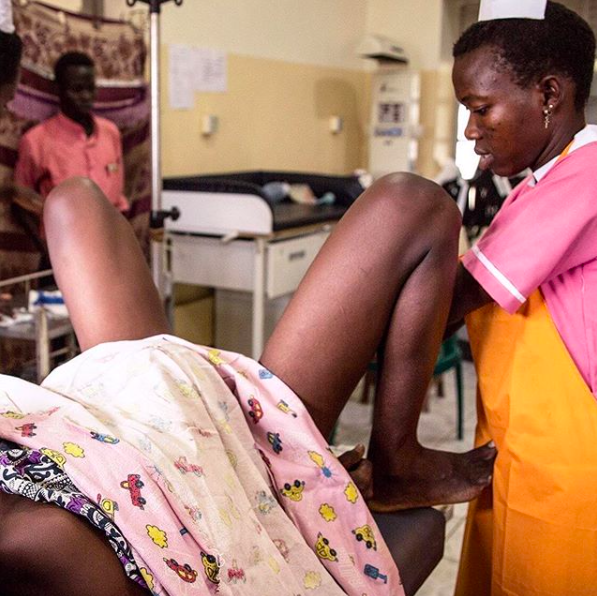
{"x":32,"y":474}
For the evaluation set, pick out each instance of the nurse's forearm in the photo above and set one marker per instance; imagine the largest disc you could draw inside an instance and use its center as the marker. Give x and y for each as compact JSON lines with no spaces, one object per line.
{"x":468,"y":296}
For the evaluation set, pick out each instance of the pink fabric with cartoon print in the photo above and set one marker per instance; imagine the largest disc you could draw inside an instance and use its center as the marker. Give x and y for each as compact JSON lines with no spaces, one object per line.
{"x":193,"y":451}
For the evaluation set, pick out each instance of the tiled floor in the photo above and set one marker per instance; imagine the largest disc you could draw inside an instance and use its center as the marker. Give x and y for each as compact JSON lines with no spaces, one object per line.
{"x":437,"y":429}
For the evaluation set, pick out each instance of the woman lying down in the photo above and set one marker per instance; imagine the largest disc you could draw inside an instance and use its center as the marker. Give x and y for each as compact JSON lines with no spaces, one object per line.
{"x":149,"y":464}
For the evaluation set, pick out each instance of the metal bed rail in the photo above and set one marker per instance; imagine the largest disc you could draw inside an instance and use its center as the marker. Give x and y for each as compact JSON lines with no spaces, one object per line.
{"x":42,"y":330}
{"x":26,"y":279}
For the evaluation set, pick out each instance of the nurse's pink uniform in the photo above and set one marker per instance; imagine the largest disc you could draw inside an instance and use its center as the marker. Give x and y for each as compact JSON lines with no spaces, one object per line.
{"x":544,"y":236}
{"x":534,"y":531}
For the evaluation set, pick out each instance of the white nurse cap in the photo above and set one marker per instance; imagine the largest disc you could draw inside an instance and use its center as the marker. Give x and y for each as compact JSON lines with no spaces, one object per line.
{"x":512,"y":9}
{"x":6,"y":22}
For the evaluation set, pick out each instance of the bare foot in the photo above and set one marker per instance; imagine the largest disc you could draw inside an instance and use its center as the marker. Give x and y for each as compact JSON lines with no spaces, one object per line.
{"x":429,"y":477}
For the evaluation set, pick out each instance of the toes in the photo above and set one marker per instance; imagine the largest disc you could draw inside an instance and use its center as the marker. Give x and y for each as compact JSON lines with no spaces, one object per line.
{"x":486,"y":452}
{"x":482,"y":473}
{"x":489,"y":456}
{"x":479,"y":468}
{"x":485,"y":480}
{"x":483,"y":466}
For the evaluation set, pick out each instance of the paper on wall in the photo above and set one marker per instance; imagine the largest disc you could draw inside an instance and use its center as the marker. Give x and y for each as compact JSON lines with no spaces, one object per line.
{"x":194,"y":69}
{"x":181,"y":89}
{"x":211,"y":71}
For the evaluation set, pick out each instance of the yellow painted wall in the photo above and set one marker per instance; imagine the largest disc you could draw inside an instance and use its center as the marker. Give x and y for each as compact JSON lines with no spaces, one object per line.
{"x":274,"y":115}
{"x":71,"y":5}
{"x":323,"y":32}
{"x":438,"y":116}
{"x":292,"y":65}
{"x":416,"y":24}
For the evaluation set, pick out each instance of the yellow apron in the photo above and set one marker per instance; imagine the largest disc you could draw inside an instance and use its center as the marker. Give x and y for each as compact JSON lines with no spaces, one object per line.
{"x":534,"y":532}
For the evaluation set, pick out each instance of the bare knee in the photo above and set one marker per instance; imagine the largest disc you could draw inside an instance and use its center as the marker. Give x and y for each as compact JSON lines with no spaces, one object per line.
{"x":416,"y":206}
{"x":67,"y":201}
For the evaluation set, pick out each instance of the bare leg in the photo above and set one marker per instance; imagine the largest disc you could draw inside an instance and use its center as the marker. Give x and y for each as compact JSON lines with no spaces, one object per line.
{"x":47,"y":551}
{"x":99,"y":267}
{"x":110,"y":296}
{"x":383,"y":280}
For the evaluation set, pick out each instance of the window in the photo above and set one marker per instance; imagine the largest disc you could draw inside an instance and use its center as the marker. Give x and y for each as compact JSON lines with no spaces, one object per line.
{"x":466,"y":158}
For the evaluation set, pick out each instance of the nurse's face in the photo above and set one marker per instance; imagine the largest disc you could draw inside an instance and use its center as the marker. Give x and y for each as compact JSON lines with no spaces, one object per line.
{"x":506,"y":121}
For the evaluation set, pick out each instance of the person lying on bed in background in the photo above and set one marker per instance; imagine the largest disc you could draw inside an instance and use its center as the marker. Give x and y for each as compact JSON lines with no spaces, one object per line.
{"x":205,"y":470}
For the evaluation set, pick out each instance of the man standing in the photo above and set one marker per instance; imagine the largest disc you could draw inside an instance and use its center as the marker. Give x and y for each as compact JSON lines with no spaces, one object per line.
{"x":74,"y":142}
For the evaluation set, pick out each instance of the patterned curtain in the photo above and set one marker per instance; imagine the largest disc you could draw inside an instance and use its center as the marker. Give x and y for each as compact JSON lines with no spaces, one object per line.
{"x":119,"y":52}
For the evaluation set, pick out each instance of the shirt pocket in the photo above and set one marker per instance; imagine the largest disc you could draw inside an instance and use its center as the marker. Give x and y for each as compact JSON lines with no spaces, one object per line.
{"x":113,"y":167}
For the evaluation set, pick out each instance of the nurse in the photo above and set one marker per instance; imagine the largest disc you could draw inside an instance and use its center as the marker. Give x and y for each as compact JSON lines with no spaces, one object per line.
{"x":530,"y":285}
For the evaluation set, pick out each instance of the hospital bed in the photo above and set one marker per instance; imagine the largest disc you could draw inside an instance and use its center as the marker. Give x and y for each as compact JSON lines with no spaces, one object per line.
{"x":230,"y":236}
{"x":41,"y":329}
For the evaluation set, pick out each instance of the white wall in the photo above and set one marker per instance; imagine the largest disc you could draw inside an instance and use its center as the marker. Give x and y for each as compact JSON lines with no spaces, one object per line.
{"x":71,"y":5}
{"x":415,"y":24}
{"x":320,"y":32}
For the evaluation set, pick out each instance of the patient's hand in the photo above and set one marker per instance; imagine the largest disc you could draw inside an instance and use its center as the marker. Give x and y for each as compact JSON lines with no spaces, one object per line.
{"x":360,"y":469}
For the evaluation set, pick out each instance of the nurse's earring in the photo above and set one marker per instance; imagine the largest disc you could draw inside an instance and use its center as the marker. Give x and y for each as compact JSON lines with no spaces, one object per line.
{"x":547,"y":112}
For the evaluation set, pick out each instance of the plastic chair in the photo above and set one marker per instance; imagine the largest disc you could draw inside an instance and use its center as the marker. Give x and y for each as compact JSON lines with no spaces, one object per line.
{"x":449,"y":357}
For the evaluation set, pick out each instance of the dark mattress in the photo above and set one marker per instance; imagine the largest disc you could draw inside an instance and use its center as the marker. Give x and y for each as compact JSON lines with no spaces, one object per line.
{"x":292,"y":215}
{"x":285,"y":214}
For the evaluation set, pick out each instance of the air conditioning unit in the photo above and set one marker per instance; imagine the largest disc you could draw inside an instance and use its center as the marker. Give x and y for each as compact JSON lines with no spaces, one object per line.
{"x":383,"y":49}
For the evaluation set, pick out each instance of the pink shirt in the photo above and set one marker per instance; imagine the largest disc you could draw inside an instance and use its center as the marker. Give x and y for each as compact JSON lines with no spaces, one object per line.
{"x":58,"y":149}
{"x":545,"y":236}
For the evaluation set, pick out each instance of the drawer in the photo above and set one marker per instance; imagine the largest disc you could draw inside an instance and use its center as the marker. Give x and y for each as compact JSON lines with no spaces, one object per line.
{"x":210,"y":262}
{"x":288,"y":261}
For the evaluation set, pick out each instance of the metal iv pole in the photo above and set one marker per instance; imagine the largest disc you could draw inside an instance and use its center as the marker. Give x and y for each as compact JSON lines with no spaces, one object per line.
{"x":158,"y":215}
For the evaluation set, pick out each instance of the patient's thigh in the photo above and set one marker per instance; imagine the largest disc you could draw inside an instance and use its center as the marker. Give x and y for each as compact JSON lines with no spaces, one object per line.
{"x":47,"y":551}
